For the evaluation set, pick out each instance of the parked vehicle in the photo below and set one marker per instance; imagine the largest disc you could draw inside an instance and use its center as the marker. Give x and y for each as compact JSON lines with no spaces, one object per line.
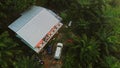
{"x":58,"y":51}
{"x":49,"y":49}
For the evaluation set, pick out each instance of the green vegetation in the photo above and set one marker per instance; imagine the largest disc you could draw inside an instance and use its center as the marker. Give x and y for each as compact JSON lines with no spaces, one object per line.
{"x":95,"y":33}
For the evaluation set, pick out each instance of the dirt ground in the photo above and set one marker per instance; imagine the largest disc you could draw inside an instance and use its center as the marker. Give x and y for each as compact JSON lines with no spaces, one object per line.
{"x":49,"y":61}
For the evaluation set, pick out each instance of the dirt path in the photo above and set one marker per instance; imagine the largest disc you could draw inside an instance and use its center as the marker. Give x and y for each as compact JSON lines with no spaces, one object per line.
{"x":49,"y":61}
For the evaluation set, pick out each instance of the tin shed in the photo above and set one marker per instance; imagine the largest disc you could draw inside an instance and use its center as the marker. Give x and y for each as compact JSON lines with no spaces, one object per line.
{"x":36,"y":27}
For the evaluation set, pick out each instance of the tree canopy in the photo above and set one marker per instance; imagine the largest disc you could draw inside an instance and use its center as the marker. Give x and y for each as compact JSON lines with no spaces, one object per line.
{"x":94,"y":33}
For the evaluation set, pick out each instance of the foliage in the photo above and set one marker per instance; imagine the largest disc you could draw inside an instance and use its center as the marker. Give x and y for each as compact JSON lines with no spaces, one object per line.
{"x":12,"y":8}
{"x":7,"y":50}
{"x":27,"y":62}
{"x":111,"y":62}
{"x":12,"y":56}
{"x":82,"y":51}
{"x":95,"y":32}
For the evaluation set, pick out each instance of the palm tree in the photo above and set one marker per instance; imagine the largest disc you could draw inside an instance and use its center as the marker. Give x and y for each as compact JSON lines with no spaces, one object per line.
{"x":7,"y":50}
{"x":27,"y":62}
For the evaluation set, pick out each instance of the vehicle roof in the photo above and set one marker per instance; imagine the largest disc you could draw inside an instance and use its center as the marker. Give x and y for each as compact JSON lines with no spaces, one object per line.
{"x":57,"y":53}
{"x":60,"y":44}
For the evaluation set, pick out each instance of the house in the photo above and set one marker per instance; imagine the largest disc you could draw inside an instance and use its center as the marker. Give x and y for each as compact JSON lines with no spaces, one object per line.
{"x":36,"y":26}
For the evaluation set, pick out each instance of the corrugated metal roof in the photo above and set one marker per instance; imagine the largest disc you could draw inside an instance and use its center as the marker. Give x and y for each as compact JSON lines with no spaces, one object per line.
{"x":34,"y":24}
{"x":58,"y":17}
{"x":25,"y":18}
{"x":37,"y":27}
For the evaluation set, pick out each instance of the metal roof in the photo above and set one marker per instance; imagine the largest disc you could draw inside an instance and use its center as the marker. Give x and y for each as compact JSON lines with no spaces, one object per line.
{"x":25,"y":18}
{"x":34,"y":24}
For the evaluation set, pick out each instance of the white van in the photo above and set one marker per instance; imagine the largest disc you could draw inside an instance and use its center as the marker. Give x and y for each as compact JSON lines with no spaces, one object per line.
{"x":58,"y":51}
